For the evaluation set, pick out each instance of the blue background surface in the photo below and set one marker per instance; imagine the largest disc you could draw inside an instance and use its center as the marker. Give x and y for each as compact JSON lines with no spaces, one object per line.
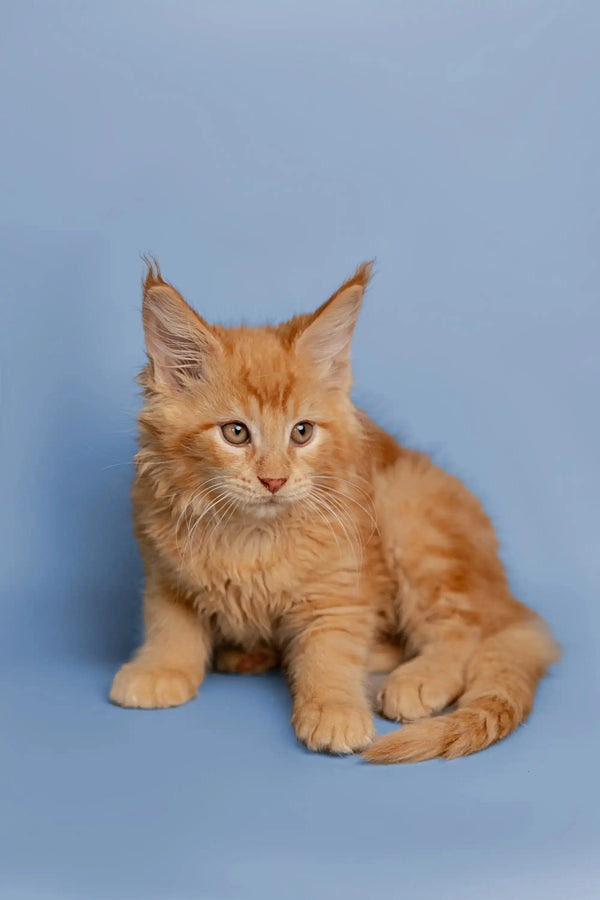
{"x":261,"y":151}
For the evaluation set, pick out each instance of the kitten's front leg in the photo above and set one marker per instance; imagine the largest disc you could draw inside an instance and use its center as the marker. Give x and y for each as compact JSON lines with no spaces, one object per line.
{"x":326,"y":662}
{"x":169,"y":667}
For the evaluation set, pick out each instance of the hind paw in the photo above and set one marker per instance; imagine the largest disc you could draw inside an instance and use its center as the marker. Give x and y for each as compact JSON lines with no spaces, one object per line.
{"x":246,"y":663}
{"x":407,"y":696}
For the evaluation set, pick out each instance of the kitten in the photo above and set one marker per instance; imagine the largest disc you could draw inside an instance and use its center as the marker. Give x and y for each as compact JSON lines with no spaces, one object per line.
{"x":279,"y":525}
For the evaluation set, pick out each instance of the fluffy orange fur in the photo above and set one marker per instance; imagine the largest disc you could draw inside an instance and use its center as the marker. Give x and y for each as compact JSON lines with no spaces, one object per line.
{"x":328,"y":549}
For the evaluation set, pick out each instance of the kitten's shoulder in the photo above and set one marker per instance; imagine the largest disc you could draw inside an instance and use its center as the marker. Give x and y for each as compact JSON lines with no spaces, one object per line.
{"x":382,"y":449}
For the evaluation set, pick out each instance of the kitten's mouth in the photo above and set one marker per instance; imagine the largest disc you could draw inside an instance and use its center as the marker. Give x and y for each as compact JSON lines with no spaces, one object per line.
{"x":270,"y":505}
{"x":273,"y":500}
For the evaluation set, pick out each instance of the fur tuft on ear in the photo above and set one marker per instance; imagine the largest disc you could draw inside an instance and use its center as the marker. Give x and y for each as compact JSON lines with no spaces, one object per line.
{"x":328,"y":334}
{"x":153,"y":276}
{"x":178,"y":340}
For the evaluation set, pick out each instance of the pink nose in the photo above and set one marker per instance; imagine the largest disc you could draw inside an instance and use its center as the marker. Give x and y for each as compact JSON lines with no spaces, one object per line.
{"x":273,"y":484}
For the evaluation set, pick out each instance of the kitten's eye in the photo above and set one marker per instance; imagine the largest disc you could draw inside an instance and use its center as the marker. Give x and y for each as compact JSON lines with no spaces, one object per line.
{"x":302,"y":432}
{"x":236,"y":433}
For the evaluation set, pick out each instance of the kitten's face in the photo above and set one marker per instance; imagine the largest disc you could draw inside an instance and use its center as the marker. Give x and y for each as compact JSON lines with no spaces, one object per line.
{"x":254,"y":420}
{"x":263,"y":429}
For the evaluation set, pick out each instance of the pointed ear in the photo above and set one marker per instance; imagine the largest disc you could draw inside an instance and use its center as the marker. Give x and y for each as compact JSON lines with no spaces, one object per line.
{"x":328,"y":335}
{"x":178,"y":341}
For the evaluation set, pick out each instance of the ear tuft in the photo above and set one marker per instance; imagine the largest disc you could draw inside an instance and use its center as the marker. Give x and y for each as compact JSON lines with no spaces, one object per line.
{"x":153,"y":276}
{"x":362,"y":276}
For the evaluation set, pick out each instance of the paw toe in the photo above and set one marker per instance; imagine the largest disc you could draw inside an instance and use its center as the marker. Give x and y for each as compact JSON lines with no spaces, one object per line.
{"x":334,"y":728}
{"x":407,"y":697}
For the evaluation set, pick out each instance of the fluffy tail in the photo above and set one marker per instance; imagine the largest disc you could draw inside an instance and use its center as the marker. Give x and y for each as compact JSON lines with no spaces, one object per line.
{"x":502,"y":676}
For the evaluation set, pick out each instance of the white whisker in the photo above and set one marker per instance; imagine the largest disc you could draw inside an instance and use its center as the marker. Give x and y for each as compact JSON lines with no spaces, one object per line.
{"x":346,"y":513}
{"x":326,"y":503}
{"x":221,"y":515}
{"x":312,"y":502}
{"x":337,"y":494}
{"x":204,"y":490}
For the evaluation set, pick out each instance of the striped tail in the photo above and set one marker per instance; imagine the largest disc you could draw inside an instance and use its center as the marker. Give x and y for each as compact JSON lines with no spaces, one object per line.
{"x":501,"y":680}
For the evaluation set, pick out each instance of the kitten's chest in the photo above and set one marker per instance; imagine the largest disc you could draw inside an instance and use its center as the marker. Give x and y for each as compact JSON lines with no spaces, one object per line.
{"x":245,"y":590}
{"x":243,"y":613}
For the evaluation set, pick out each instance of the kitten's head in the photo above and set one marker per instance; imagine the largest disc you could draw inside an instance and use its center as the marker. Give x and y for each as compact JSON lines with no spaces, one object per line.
{"x":253,"y":420}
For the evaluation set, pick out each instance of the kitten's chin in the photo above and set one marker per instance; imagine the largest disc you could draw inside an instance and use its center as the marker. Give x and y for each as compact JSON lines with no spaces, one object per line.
{"x":271,"y":507}
{"x":267,"y":510}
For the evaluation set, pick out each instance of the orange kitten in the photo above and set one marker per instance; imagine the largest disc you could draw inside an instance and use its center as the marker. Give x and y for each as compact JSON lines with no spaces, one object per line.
{"x":279,"y":525}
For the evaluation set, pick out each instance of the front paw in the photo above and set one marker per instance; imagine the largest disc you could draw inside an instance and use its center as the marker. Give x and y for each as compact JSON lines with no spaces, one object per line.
{"x":333,"y":727}
{"x":151,"y":687}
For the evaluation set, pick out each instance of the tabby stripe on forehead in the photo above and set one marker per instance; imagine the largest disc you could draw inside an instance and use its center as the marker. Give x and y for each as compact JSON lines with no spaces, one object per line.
{"x":268,"y":392}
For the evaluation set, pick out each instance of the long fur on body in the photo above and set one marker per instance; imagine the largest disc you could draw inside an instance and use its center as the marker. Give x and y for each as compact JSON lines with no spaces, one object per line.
{"x":334,"y":557}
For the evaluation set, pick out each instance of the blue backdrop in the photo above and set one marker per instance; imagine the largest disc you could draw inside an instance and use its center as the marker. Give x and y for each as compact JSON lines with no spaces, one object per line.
{"x":261,"y":151}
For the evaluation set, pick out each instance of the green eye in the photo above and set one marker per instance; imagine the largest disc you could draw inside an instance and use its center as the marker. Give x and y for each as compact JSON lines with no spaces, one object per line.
{"x":235,"y":433}
{"x":302,"y":432}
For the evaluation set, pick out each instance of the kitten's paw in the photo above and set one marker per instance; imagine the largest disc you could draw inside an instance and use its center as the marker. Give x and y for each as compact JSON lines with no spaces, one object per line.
{"x":334,"y":727}
{"x":408,"y":696}
{"x":251,"y":663}
{"x":151,"y":687}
